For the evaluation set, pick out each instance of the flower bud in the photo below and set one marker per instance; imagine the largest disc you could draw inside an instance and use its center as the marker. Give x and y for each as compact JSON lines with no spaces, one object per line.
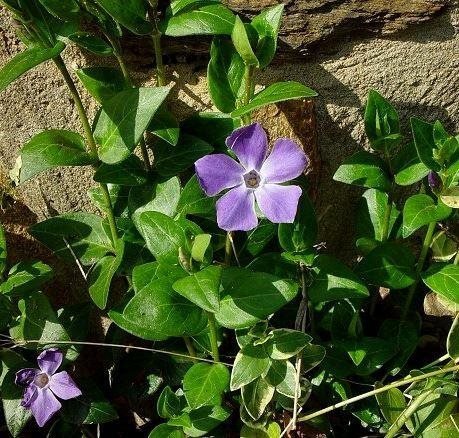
{"x":435,"y":182}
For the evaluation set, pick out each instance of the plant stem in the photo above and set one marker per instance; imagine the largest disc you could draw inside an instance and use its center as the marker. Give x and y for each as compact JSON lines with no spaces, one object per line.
{"x":419,"y":266}
{"x":190,"y":347}
{"x":228,"y":249}
{"x":156,"y":38}
{"x":248,"y":92}
{"x":213,"y":336}
{"x":407,"y":413}
{"x":385,"y":388}
{"x":89,"y":139}
{"x":297,"y":390}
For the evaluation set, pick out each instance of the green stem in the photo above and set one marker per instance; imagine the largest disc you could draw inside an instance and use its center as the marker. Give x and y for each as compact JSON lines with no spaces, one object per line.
{"x":385,"y":388}
{"x":228,"y":249}
{"x":248,"y":92}
{"x":92,"y":146}
{"x":407,"y":413}
{"x":386,"y":223}
{"x":190,"y":347}
{"x":422,"y":258}
{"x":213,"y":336}
{"x":156,"y":38}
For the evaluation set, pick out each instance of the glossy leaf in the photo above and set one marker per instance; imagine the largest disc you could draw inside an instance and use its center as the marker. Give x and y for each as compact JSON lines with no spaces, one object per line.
{"x":83,"y":232}
{"x":247,"y":297}
{"x":452,"y":343}
{"x":241,"y":43}
{"x":443,"y":279}
{"x":205,"y":419}
{"x":102,"y":83}
{"x":202,"y":288}
{"x":130,"y":172}
{"x":27,"y":60}
{"x":250,"y":363}
{"x":51,"y":149}
{"x":420,"y":210}
{"x":26,"y":276}
{"x":282,"y":375}
{"x":130,"y":13}
{"x":204,"y":384}
{"x":286,"y":343}
{"x":392,"y":404}
{"x":165,"y":126}
{"x":256,"y":396}
{"x":65,"y":10}
{"x":312,"y":355}
{"x":424,"y":142}
{"x":408,"y":168}
{"x":92,"y":43}
{"x":334,"y":281}
{"x":258,"y":238}
{"x":274,"y":93}
{"x":193,"y":200}
{"x":124,"y":119}
{"x":364,"y":169}
{"x":450,"y":197}
{"x":390,"y":265}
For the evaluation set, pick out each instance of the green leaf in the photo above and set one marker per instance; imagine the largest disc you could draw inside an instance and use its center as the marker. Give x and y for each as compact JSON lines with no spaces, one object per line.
{"x":193,"y":200}
{"x":282,"y":375}
{"x":204,"y":19}
{"x":443,"y":247}
{"x":267,"y":25}
{"x":130,"y":172}
{"x":91,"y":43}
{"x":364,"y":169}
{"x":157,"y":312}
{"x":250,"y":363}
{"x":25,"y":277}
{"x":302,"y":234}
{"x":162,"y":234}
{"x":334,"y":281}
{"x":65,"y":10}
{"x":392,"y":403}
{"x":118,"y":199}
{"x":51,"y":149}
{"x":256,"y":396}
{"x":124,"y":119}
{"x":212,"y":127}
{"x":169,"y":404}
{"x":225,"y":75}
{"x":408,"y":168}
{"x":204,"y":384}
{"x":247,"y":297}
{"x":452,"y":343}
{"x":166,"y":431}
{"x":450,"y":197}
{"x":286,"y":343}
{"x":420,"y":210}
{"x":204,"y":419}
{"x":443,"y":279}
{"x":424,"y":142}
{"x":382,"y":124}
{"x":259,"y":237}
{"x":202,"y":248}
{"x":39,"y":322}
{"x":83,"y":232}
{"x":102,"y":83}
{"x":101,"y":276}
{"x":202,"y":288}
{"x":242,"y":44}
{"x":3,"y":251}
{"x":274,"y":93}
{"x":130,"y":13}
{"x":389,"y":265}
{"x":312,"y":356}
{"x":165,"y":126}
{"x":171,"y":160}
{"x":6,"y":312}
{"x":27,"y":60}
{"x":162,"y":197}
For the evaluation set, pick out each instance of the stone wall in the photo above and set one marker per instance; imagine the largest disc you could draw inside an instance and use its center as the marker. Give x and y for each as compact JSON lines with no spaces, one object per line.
{"x":356,"y":47}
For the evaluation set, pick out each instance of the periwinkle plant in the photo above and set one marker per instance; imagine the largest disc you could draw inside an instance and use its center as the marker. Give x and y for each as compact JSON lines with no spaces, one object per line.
{"x":250,"y":319}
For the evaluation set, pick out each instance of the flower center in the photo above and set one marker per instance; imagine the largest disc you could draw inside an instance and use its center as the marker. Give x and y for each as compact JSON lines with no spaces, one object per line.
{"x":252,"y":179}
{"x":41,"y":380}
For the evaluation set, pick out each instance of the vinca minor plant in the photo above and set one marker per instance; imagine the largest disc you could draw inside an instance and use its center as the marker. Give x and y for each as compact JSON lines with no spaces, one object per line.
{"x":226,"y":316}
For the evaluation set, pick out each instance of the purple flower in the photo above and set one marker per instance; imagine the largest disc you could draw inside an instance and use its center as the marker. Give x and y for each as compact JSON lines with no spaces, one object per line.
{"x":434,"y":180}
{"x":43,"y":384}
{"x":255,"y":177}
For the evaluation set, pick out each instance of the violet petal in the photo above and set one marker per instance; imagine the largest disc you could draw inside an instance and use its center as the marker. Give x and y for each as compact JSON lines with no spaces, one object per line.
{"x":25,"y":376}
{"x":278,"y":203}
{"x":250,"y":144}
{"x":63,"y":386}
{"x":218,"y":172}
{"x":285,"y":162}
{"x":30,"y":394}
{"x":236,"y":210}
{"x":50,"y":360}
{"x":44,"y":406}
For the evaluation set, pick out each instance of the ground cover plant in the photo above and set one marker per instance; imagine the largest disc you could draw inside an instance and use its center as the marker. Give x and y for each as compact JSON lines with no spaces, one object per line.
{"x":227,"y":316}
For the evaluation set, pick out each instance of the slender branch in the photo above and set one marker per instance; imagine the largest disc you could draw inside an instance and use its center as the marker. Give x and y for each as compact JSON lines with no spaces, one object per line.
{"x":422,"y":258}
{"x":385,"y":388}
{"x":407,"y":413}
{"x":156,"y":39}
{"x":213,"y":336}
{"x":89,"y":139}
{"x":228,"y":249}
{"x":248,"y":92}
{"x":190,"y":347}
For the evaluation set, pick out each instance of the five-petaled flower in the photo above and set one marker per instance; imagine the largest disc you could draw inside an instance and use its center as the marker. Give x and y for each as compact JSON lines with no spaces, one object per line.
{"x":256,"y":177}
{"x":43,"y":384}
